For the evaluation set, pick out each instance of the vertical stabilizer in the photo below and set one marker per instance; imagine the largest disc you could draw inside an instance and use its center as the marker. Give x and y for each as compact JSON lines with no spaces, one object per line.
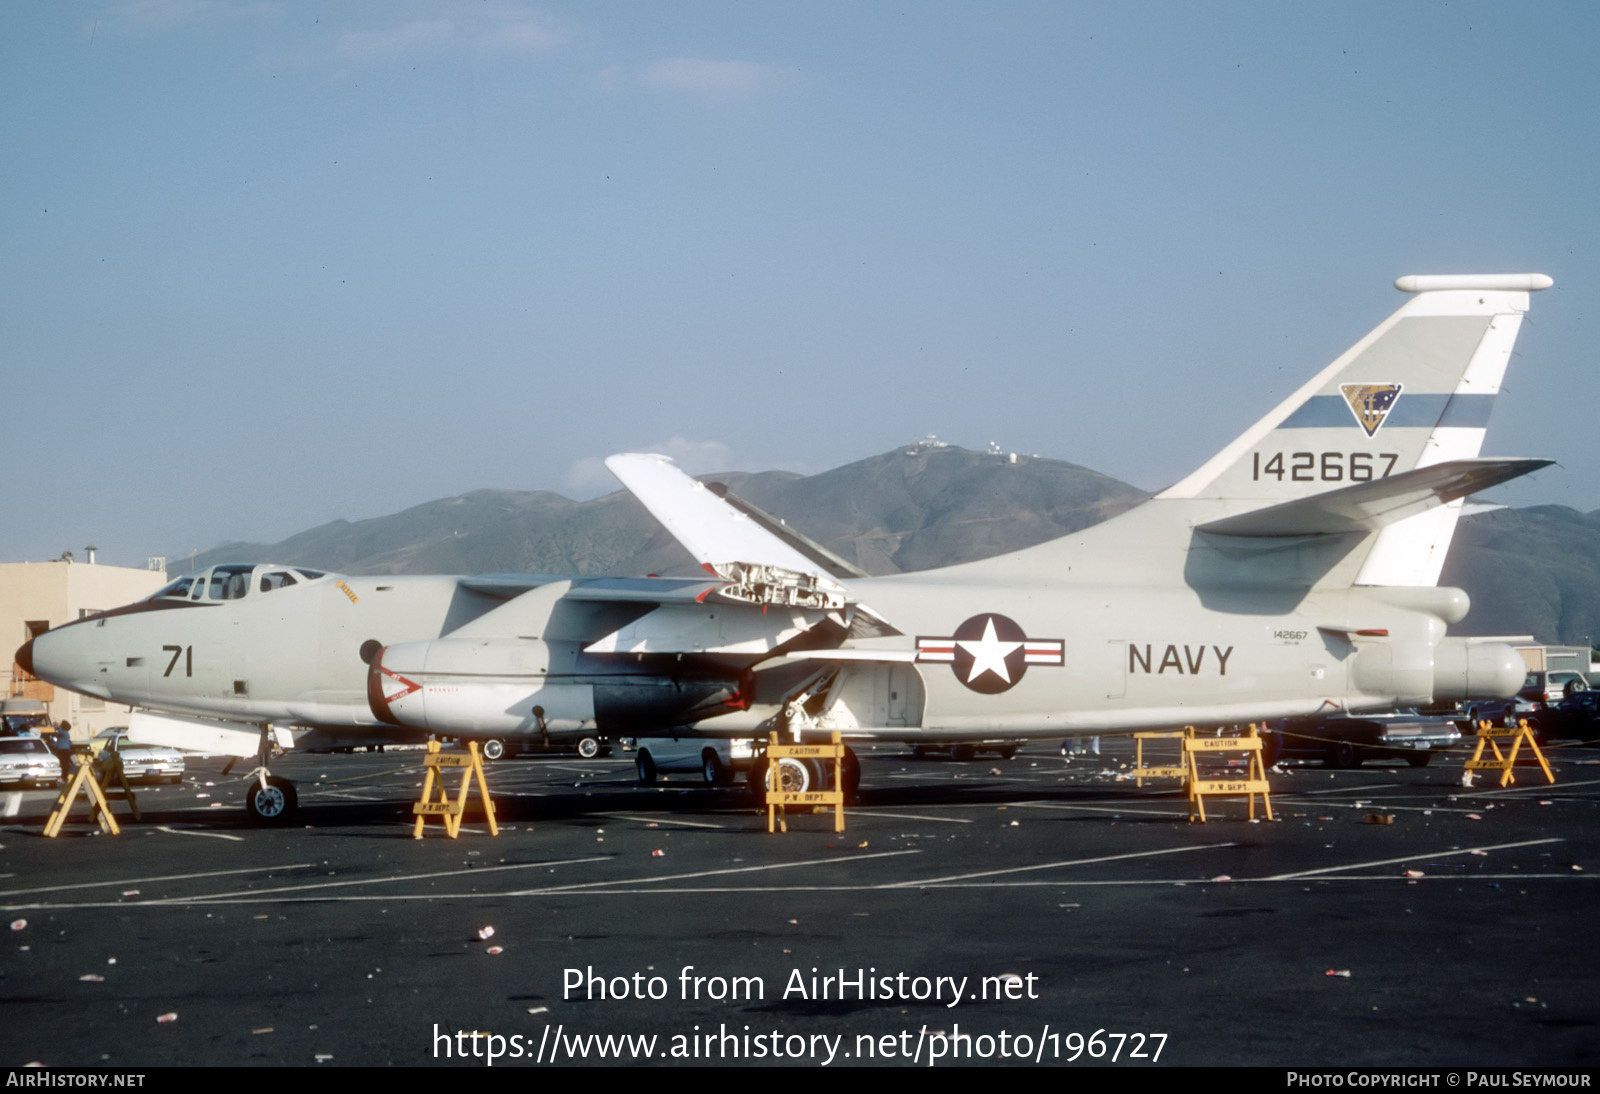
{"x":1416,"y":391}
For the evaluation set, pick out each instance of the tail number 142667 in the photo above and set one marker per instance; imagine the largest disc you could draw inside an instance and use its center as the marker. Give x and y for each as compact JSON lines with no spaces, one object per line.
{"x":1324,"y":466}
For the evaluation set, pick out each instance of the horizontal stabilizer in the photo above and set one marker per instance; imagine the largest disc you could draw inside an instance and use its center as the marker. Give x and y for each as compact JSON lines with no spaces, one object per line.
{"x":1368,"y":506}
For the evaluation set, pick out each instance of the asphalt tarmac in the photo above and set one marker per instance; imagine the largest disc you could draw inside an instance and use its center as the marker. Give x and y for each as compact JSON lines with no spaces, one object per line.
{"x":1041,"y":910}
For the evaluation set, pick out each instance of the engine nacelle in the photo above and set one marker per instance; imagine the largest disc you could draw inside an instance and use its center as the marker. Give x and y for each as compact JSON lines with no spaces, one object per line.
{"x":1476,"y":670}
{"x":525,"y":687}
{"x":494,"y":686}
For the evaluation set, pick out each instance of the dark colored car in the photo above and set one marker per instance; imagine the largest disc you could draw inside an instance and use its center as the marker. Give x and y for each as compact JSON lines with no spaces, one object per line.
{"x":587,"y":746}
{"x":1577,"y":716}
{"x":1349,"y":740}
{"x":1500,"y":712}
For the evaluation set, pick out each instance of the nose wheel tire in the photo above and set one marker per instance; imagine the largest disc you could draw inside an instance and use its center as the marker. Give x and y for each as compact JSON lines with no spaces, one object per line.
{"x":793,"y":776}
{"x":274,"y":803}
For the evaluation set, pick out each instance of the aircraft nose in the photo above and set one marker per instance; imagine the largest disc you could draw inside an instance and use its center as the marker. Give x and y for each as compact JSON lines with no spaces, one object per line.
{"x":25,"y":656}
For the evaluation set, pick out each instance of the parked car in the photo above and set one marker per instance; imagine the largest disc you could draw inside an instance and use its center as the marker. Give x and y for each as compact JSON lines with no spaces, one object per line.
{"x":25,"y":760}
{"x":1577,"y":716}
{"x":1500,"y":712}
{"x":140,"y":761}
{"x":1348,"y":740}
{"x":1549,"y":687}
{"x":587,"y":747}
{"x":719,"y":761}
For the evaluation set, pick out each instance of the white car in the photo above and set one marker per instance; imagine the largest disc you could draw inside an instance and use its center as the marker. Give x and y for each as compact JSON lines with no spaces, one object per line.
{"x":26,"y":760}
{"x":717,"y":760}
{"x":154,"y":762}
{"x":720,"y":762}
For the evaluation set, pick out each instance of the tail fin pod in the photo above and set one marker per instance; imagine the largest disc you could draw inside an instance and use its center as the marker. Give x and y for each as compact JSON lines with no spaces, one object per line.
{"x":1415,"y":391}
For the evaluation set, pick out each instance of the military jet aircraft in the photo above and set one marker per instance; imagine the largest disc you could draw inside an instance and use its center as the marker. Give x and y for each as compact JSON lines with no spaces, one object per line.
{"x":1293,"y":573}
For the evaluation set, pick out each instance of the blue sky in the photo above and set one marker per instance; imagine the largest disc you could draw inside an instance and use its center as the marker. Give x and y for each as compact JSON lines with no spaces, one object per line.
{"x":264,"y":265}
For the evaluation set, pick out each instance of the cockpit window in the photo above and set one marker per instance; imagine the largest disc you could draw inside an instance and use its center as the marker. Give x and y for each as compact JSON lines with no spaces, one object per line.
{"x":229,"y":582}
{"x":277,"y":579}
{"x":233,"y":581}
{"x":177,"y":590}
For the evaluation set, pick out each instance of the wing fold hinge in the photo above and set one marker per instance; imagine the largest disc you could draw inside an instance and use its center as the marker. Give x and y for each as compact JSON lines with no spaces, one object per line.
{"x":755,"y":583}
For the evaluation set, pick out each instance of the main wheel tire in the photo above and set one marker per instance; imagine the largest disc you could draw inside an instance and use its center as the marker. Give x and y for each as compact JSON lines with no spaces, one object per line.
{"x":588,"y":747}
{"x":274,"y":803}
{"x":647,"y":769}
{"x":1009,"y":752}
{"x":711,"y":767}
{"x":852,"y":773}
{"x":493,"y":749}
{"x":1419,"y":759}
{"x":963,"y":752}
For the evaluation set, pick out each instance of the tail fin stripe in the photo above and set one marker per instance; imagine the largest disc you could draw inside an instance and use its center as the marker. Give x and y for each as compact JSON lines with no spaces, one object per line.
{"x":1467,"y":411}
{"x":1420,"y":411}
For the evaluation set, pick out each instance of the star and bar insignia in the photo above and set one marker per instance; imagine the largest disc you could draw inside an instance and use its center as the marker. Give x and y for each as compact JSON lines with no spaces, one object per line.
{"x":990,"y":653}
{"x":1370,"y":403}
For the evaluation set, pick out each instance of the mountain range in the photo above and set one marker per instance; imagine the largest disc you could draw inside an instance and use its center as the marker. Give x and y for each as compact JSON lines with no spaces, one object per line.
{"x":1528,"y":571}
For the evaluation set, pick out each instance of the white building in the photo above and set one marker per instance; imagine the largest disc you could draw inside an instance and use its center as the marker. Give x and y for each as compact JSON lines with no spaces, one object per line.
{"x":35,"y":596}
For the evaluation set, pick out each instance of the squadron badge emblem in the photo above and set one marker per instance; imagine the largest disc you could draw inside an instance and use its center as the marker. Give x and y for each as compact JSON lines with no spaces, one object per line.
{"x":1370,"y":403}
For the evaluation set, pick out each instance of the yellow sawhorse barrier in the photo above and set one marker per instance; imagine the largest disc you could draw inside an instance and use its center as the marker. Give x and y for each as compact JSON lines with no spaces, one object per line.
{"x":778,"y":799}
{"x":1503,"y":762}
{"x":1254,"y":783}
{"x":451,"y":811}
{"x":1141,"y":772}
{"x":83,"y":780}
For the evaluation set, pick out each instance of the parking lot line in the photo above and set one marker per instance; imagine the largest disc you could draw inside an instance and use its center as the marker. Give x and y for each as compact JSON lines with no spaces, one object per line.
{"x":661,"y":818}
{"x":927,"y":882}
{"x":148,"y":880}
{"x":1410,"y":858}
{"x":905,"y":816}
